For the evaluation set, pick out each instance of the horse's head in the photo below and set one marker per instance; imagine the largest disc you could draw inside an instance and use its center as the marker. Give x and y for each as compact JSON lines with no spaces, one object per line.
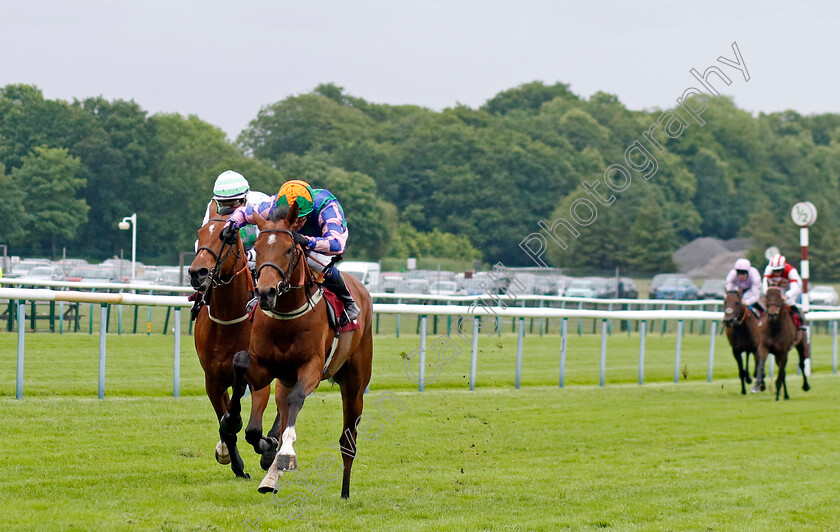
{"x":774,"y":302}
{"x":210,"y":249}
{"x":278,"y":257}
{"x":733,"y":308}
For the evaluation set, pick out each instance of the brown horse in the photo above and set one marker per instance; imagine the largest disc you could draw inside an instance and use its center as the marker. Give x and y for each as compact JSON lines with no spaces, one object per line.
{"x":222,"y":327}
{"x":290,"y":340}
{"x":777,"y":334}
{"x":742,"y":333}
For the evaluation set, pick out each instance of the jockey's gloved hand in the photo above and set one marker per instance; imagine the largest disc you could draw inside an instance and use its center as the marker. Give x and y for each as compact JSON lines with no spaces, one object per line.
{"x":300,"y":239}
{"x":228,"y":235}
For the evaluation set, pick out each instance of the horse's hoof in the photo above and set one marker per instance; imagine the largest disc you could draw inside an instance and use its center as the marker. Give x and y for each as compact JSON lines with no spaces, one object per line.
{"x":222,"y":453}
{"x":269,"y":483}
{"x":806,"y":387}
{"x":762,"y":386}
{"x":266,"y":459}
{"x":286,"y":462}
{"x":244,"y":476}
{"x":748,"y":380}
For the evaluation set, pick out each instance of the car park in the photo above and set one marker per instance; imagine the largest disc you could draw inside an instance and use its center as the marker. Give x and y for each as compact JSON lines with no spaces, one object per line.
{"x":823,"y":295}
{"x":45,"y":273}
{"x":712,"y":289}
{"x":672,"y":286}
{"x":443,"y":288}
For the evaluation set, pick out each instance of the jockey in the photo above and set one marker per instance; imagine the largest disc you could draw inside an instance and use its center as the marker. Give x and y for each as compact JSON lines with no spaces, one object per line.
{"x":321,"y":230}
{"x":747,"y":281}
{"x":230,"y":192}
{"x":781,"y":274}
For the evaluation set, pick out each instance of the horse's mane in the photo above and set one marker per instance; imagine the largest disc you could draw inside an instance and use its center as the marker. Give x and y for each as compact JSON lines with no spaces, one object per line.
{"x":279,"y":212}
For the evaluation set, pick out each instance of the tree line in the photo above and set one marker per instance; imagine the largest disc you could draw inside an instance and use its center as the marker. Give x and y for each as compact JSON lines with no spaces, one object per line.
{"x":461,"y":183}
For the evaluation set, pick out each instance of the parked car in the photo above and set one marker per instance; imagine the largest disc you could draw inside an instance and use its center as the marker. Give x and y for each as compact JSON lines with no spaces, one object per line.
{"x":712,"y":289}
{"x":823,"y":295}
{"x":45,"y":273}
{"x":443,"y":288}
{"x":412,"y":286}
{"x":585,"y":287}
{"x":563,"y":283}
{"x":672,"y":286}
{"x":20,"y":269}
{"x":171,"y":276}
{"x":626,"y":288}
{"x":367,"y":272}
{"x":388,"y":282}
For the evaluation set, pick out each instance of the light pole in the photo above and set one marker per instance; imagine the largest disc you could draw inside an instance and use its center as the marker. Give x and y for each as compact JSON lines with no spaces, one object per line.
{"x":131,"y":221}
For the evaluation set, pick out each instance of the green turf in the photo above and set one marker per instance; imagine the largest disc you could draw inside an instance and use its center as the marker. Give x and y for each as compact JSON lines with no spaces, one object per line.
{"x":691,"y":456}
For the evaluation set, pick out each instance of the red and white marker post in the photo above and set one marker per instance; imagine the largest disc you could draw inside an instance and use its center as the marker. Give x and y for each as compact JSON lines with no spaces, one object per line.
{"x":804,"y":214}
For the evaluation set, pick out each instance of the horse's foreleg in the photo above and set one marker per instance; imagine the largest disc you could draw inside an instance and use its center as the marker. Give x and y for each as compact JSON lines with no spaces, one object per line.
{"x":231,"y":422}
{"x":219,"y":399}
{"x":281,"y":397}
{"x":747,"y":377}
{"x":308,"y":378}
{"x":741,"y":373}
{"x":253,"y":432}
{"x":759,"y":369}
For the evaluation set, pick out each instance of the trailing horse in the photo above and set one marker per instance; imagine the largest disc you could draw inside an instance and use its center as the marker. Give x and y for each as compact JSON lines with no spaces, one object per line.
{"x":777,"y":334}
{"x":221,"y":326}
{"x":742,"y":333}
{"x":290,"y":340}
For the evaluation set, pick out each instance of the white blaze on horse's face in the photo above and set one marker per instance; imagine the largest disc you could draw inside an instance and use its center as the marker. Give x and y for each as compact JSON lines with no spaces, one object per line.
{"x":271,"y":240}
{"x":212,"y":229}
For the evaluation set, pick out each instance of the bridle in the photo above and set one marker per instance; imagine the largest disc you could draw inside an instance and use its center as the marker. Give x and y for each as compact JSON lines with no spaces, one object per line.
{"x":285,"y":284}
{"x":215,"y":274}
{"x":737,"y":321}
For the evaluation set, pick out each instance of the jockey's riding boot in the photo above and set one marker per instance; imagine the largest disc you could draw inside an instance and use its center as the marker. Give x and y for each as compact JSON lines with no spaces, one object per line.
{"x":757,"y":306}
{"x":335,"y":282}
{"x":796,"y":310}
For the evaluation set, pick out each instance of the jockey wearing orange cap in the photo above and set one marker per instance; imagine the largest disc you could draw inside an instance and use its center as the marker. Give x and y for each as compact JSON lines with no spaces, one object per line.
{"x":321,"y":229}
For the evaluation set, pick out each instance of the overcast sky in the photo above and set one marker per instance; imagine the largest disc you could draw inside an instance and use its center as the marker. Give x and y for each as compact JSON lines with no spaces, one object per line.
{"x":224,"y":60}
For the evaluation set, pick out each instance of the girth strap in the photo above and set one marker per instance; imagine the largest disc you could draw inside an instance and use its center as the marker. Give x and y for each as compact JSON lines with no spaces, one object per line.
{"x":298,"y":312}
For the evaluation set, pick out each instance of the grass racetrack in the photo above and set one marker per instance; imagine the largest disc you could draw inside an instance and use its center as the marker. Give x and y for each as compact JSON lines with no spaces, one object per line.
{"x":663,"y":456}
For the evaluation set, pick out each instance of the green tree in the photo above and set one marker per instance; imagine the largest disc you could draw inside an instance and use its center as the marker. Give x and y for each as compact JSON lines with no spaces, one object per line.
{"x":51,"y":178}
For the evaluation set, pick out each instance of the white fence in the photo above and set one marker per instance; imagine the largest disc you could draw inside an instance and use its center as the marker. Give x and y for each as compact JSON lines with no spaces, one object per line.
{"x":474,"y":312}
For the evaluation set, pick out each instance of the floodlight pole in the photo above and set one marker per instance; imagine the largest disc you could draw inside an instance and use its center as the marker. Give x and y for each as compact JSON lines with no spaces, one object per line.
{"x":124,"y":224}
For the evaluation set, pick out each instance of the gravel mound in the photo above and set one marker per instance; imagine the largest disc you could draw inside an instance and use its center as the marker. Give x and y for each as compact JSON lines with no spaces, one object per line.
{"x":710,"y":258}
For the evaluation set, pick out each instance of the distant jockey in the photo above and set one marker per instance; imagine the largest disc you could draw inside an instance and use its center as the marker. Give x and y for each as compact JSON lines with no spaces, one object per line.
{"x":747,"y":281}
{"x":781,"y":274}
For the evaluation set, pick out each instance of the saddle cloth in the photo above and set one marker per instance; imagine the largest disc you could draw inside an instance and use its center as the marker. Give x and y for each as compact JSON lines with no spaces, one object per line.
{"x":335,"y":308}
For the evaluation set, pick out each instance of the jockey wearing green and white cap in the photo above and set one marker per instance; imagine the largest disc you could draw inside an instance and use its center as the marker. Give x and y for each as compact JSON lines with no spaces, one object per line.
{"x":231,"y":191}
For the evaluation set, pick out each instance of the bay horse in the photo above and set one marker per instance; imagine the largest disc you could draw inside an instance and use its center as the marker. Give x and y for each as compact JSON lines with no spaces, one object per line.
{"x":290,"y":339}
{"x":742,"y":333}
{"x":222,"y":327}
{"x":777,"y":334}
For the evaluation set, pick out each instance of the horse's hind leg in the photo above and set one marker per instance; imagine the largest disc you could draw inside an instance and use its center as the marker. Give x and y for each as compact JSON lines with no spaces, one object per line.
{"x":231,"y":422}
{"x":354,"y":380}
